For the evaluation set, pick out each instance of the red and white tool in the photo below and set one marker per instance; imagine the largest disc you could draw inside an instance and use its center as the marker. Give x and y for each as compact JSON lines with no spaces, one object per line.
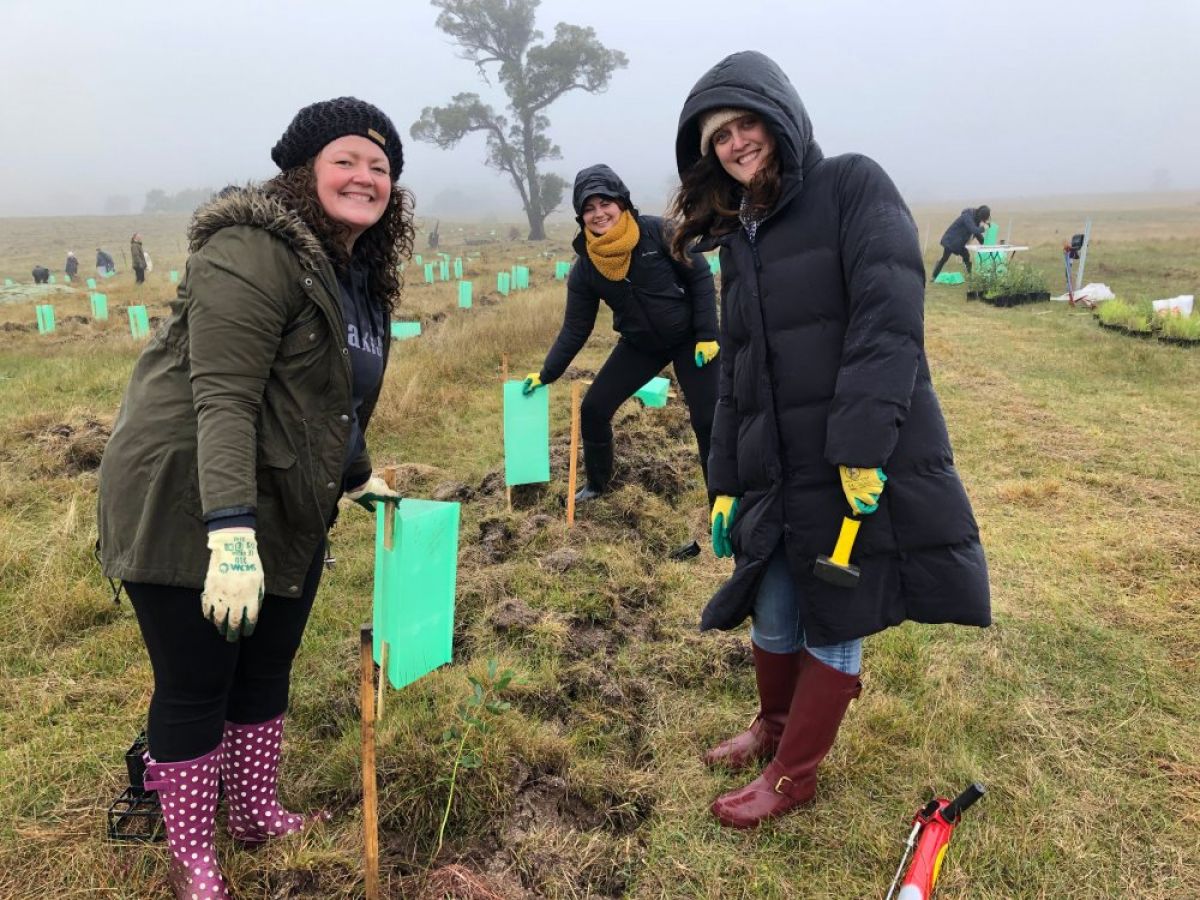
{"x":932,"y":827}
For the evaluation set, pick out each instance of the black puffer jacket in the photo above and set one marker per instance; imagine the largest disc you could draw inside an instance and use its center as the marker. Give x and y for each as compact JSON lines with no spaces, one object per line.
{"x":660,"y":304}
{"x":961,"y":230}
{"x":822,"y":362}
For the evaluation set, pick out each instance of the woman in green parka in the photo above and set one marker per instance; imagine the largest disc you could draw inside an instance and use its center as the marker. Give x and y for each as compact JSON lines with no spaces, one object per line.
{"x":242,"y":426}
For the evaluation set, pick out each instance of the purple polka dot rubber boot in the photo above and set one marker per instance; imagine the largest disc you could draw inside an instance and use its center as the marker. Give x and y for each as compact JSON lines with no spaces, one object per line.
{"x":187,"y":793}
{"x":251,"y":775}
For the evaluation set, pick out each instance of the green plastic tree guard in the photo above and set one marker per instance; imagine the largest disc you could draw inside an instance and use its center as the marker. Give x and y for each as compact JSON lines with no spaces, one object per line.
{"x":526,"y":435}
{"x":174,"y":276}
{"x":91,"y":283}
{"x":51,"y":281}
{"x":949,"y":278}
{"x":458,"y":269}
{"x":522,"y":277}
{"x":417,"y":259}
{"x":139,"y":322}
{"x":654,"y":391}
{"x":503,"y":281}
{"x":429,"y":273}
{"x":100,"y":307}
{"x":989,"y":262}
{"x":8,"y":282}
{"x":443,"y":271}
{"x":66,"y":279}
{"x":402,"y":330}
{"x":415,"y":584}
{"x":464,"y":295}
{"x":45,"y":318}
{"x":714,"y":264}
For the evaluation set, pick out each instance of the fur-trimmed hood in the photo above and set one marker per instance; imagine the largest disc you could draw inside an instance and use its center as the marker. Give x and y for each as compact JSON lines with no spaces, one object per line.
{"x":252,"y":205}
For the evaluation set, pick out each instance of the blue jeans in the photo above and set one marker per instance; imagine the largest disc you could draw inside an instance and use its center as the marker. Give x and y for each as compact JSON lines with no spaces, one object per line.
{"x":776,"y":627}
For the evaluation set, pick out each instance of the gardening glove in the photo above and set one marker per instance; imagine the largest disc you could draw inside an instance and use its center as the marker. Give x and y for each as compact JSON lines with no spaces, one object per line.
{"x":862,"y":488}
{"x":706,"y":352}
{"x":233,"y":587}
{"x":723,"y":511}
{"x":533,"y":381}
{"x":372,"y":490}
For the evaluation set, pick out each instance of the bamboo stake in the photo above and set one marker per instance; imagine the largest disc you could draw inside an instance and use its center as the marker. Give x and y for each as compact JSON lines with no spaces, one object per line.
{"x":504,"y":380}
{"x":573,"y":470}
{"x":366,"y":698}
{"x":383,"y":661}
{"x":390,"y":478}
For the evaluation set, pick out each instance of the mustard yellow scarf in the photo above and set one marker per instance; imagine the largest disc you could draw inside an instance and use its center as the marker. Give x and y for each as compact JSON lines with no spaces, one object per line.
{"x":612,"y":251}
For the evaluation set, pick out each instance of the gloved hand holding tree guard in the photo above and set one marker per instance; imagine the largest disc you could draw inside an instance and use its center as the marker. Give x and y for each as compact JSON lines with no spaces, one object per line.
{"x":706,"y":352}
{"x":533,"y":381}
{"x":373,"y":490}
{"x":723,"y":512}
{"x":862,"y":488}
{"x":233,"y":586}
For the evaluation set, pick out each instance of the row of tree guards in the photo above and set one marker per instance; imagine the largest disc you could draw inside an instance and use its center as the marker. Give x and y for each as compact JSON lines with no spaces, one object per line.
{"x":139,"y":319}
{"x":91,"y":282}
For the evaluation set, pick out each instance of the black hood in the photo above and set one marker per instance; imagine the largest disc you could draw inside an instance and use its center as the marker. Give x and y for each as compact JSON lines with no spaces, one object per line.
{"x":599,"y":179}
{"x":750,"y":80}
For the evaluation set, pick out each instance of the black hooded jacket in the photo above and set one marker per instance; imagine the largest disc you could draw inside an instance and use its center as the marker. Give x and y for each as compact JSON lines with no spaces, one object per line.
{"x":962,"y":230}
{"x":660,"y":305}
{"x":823,"y":363}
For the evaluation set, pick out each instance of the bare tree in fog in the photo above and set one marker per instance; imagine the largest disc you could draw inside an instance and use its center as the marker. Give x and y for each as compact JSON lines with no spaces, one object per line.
{"x":533,"y":76}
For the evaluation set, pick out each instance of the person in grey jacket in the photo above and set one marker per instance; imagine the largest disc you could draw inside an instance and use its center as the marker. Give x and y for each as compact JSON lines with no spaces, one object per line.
{"x":971,"y":223}
{"x":242,"y":426}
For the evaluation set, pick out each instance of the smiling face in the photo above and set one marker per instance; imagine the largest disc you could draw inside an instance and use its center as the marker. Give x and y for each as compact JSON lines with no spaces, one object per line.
{"x":600,"y":213}
{"x":742,"y":147}
{"x":354,"y":183}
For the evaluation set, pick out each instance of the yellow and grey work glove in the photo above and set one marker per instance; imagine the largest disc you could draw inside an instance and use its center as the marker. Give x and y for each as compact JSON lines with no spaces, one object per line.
{"x":706,"y":352}
{"x":372,"y":490}
{"x":533,"y":381}
{"x":862,"y":488}
{"x":723,"y":511}
{"x":233,"y":587}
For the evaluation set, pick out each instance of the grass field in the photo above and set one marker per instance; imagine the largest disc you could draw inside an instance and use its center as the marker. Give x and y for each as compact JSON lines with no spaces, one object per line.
{"x":1079,"y":708}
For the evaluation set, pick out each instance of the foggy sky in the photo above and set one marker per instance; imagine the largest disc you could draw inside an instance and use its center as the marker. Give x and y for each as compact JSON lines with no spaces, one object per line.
{"x":960,"y":102}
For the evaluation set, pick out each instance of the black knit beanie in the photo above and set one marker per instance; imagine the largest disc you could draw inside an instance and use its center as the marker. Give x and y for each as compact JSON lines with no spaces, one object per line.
{"x":319,"y":123}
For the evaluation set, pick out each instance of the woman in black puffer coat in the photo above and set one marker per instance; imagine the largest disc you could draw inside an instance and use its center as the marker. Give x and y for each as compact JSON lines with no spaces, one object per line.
{"x":824,"y":388}
{"x":664,"y":309}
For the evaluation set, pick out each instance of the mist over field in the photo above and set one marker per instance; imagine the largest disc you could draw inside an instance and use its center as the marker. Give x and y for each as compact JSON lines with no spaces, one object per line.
{"x":961,"y":104}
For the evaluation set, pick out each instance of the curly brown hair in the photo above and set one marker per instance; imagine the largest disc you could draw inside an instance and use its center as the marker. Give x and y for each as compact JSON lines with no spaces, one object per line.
{"x":380,"y":247}
{"x":708,"y":200}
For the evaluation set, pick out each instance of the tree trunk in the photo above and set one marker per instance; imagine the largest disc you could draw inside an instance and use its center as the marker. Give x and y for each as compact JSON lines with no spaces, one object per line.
{"x":537,"y":227}
{"x":537,"y":218}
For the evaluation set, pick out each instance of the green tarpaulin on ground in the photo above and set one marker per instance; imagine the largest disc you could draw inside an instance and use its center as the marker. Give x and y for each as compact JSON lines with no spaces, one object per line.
{"x":949,"y":278}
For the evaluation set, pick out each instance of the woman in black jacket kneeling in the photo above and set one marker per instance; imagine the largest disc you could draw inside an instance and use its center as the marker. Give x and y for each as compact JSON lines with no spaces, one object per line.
{"x":664,"y":310}
{"x":824,"y":387}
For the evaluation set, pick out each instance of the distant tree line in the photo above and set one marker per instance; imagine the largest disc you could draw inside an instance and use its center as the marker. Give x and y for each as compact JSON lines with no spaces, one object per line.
{"x":159,"y":201}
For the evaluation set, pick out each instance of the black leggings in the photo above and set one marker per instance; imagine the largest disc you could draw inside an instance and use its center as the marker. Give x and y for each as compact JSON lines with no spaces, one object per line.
{"x":946,"y":251}
{"x":627,"y":369}
{"x":200,"y":679}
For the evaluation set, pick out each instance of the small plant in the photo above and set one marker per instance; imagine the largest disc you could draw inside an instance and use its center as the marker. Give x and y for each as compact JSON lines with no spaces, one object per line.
{"x":473,"y":712}
{"x":1181,"y":328}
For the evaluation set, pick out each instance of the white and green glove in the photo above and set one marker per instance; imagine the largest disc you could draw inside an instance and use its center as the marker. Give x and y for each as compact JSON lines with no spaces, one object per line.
{"x":233,"y":587}
{"x":371,"y":491}
{"x":862,"y":488}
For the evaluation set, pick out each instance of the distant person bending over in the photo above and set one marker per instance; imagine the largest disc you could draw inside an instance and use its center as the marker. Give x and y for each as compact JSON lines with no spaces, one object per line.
{"x":243,"y":424}
{"x":138,"y":256}
{"x":104,"y":262}
{"x":41,"y":275}
{"x":665,"y":311}
{"x":972,"y":223}
{"x":72,"y":266}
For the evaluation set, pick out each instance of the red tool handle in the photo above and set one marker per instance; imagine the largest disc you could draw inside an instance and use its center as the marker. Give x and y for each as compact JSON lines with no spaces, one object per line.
{"x":937,"y":827}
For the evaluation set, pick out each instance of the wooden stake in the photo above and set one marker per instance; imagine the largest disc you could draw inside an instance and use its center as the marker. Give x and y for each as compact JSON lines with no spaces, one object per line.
{"x":366,"y":698}
{"x":573,"y":470}
{"x":504,"y":380}
{"x":383,"y":661}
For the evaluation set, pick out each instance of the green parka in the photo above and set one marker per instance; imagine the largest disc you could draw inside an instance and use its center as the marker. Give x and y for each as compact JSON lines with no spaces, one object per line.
{"x":137,"y":254}
{"x":240,"y":403}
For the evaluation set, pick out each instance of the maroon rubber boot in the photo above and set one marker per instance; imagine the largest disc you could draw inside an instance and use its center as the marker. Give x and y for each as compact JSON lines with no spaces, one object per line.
{"x":818,"y":706}
{"x":776,"y":675}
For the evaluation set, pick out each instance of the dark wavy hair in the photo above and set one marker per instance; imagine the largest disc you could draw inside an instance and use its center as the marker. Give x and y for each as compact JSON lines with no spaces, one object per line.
{"x":708,"y":200}
{"x":380,"y":247}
